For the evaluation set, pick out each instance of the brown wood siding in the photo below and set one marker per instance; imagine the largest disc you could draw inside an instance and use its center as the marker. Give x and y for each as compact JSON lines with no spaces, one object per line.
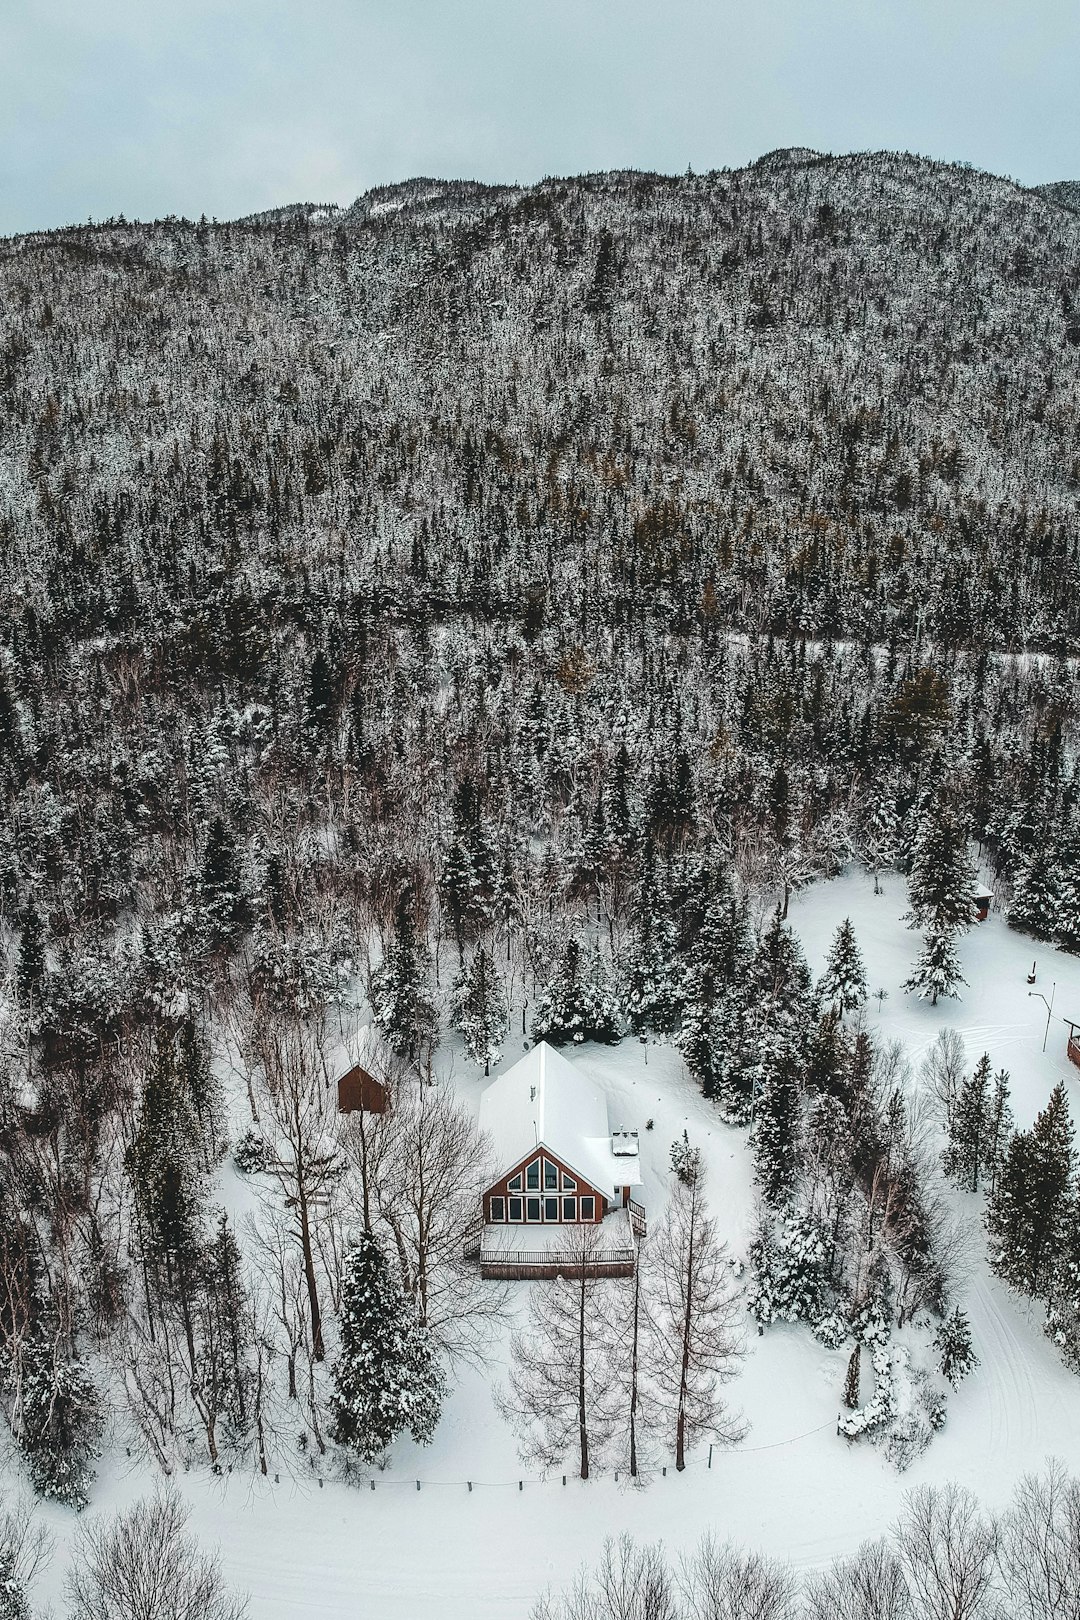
{"x":358,"y":1091}
{"x":501,"y":1189}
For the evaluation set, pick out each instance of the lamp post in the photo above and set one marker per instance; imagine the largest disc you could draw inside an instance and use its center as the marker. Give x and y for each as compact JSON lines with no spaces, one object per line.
{"x":1049,"y":1005}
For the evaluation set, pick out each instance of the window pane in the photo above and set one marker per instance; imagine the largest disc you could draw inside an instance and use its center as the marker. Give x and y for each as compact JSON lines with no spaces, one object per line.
{"x":532,"y":1176}
{"x":569,"y":1209}
{"x":586,"y":1209}
{"x":515,"y":1209}
{"x":551,"y":1209}
{"x":532,"y":1209}
{"x":569,"y":1184}
{"x":514,"y":1183}
{"x":551,"y":1176}
{"x":498,"y":1212}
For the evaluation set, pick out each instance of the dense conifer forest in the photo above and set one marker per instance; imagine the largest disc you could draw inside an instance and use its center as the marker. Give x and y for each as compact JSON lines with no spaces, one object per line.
{"x":499,"y":599}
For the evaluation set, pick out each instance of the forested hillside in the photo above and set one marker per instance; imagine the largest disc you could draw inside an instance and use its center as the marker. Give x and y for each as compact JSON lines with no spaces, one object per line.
{"x":491,"y":567}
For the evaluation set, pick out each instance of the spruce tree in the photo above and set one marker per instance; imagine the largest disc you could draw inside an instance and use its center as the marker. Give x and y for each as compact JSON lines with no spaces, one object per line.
{"x":941,"y":884}
{"x":60,"y":1419}
{"x":937,"y":968}
{"x":999,"y":1127}
{"x":969,"y":1127}
{"x":386,"y":1377}
{"x":953,"y":1344}
{"x":842,"y":986}
{"x":1036,"y":896}
{"x":480,"y":1009}
{"x":776,"y":1127}
{"x":400,"y":997}
{"x":224,"y":905}
{"x":577,"y":1004}
{"x":1027,"y":1214}
{"x":203,"y":1089}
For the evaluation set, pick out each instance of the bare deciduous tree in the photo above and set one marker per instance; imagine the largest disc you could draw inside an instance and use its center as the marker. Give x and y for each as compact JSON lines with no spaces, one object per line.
{"x":630,"y":1583}
{"x":564,"y":1389}
{"x":870,"y":1586}
{"x":144,"y":1566}
{"x":432,"y":1170}
{"x":693,"y":1308}
{"x":1039,"y":1546}
{"x":948,"y":1550}
{"x":720,"y":1582}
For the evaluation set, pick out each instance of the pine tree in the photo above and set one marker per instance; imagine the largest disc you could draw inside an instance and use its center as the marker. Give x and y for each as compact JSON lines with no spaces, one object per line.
{"x":204,"y":1090}
{"x":999,"y":1127}
{"x":60,"y":1420}
{"x":776,"y":1127}
{"x":224,"y":905}
{"x":954,"y":1346}
{"x":578,"y":1003}
{"x":937,"y":969}
{"x":1066,"y":918}
{"x":480,"y":1009}
{"x":842,"y":986}
{"x":386,"y":1378}
{"x":1036,"y":897}
{"x":716,"y":973}
{"x":1027,"y":1214}
{"x":969,"y":1125}
{"x":401,"y":1000}
{"x":941,"y":885}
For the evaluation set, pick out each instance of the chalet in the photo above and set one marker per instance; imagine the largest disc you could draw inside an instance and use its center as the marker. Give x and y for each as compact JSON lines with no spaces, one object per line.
{"x":561,"y":1166}
{"x":363,"y":1088}
{"x":981,"y":900}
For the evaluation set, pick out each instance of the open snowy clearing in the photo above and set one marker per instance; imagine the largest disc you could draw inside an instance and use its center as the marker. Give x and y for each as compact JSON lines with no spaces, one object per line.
{"x":793,"y":1487}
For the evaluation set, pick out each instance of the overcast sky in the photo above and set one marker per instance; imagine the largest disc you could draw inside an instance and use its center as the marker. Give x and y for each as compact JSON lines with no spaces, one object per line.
{"x":148,"y":107}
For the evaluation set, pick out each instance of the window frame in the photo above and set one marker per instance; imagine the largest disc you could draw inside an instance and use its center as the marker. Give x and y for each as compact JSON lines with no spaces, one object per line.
{"x":571,"y":1203}
{"x":530,"y":1219}
{"x":517,"y":1219}
{"x":497,"y":1203}
{"x":588,"y":1198}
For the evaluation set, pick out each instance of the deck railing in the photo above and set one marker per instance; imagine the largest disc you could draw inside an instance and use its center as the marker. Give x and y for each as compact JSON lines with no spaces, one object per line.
{"x":637,"y":1217}
{"x":552,"y":1257}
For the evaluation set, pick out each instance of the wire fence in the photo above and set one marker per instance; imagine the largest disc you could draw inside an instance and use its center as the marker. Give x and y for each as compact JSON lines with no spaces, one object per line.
{"x":620,"y":1476}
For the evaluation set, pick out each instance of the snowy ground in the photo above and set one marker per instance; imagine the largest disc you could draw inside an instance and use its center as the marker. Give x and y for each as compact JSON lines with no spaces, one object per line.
{"x":792,"y":1487}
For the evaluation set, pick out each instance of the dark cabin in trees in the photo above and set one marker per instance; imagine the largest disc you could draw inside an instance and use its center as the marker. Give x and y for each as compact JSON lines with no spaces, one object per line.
{"x":361,"y":1088}
{"x":981,"y":900}
{"x":561,"y":1166}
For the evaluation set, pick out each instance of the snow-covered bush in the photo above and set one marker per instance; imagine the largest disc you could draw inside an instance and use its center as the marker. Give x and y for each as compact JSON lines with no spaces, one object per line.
{"x":250,"y":1154}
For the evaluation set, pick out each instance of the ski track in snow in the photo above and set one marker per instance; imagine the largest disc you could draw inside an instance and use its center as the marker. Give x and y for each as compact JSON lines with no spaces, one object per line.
{"x":795,"y":1489}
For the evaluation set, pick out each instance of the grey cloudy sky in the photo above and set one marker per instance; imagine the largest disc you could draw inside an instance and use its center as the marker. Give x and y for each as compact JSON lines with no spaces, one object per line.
{"x":148,"y":107}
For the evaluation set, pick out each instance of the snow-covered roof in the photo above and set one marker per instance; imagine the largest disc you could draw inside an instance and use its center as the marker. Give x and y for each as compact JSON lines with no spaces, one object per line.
{"x":544,"y":1099}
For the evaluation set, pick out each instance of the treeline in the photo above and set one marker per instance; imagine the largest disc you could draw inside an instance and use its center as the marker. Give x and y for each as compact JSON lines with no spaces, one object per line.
{"x":946,"y":1559}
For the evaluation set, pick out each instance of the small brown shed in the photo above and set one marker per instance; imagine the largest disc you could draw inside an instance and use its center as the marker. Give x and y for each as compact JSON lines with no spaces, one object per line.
{"x":358,"y":1091}
{"x":365,"y":1087}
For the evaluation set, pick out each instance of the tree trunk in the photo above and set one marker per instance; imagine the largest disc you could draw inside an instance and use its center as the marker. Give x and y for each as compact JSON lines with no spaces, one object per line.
{"x":583,"y":1432}
{"x":684,"y":1372}
{"x":317,"y":1348}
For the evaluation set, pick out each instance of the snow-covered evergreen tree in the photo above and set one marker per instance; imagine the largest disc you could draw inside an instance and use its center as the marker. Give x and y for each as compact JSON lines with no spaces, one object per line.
{"x":790,"y":1271}
{"x":941,"y":885}
{"x":400,"y":997}
{"x":842,"y":985}
{"x":1036,"y":897}
{"x":1027,"y":1213}
{"x":479,"y":1008}
{"x":578,"y":1003}
{"x":969,"y":1125}
{"x":386,"y":1377}
{"x":59,"y":1420}
{"x":953,"y":1344}
{"x":936,"y":971}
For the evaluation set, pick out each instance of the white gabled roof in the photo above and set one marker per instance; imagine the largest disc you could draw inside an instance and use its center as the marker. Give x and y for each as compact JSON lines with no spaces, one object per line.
{"x":544,"y":1099}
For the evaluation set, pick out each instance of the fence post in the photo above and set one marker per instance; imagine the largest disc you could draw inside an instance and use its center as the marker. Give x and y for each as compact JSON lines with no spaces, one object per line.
{"x":418,"y":1484}
{"x":710,"y":1456}
{"x":564,"y":1479}
{"x":373,"y":1484}
{"x":521,"y":1484}
{"x":664,"y":1471}
{"x":469,"y":1483}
